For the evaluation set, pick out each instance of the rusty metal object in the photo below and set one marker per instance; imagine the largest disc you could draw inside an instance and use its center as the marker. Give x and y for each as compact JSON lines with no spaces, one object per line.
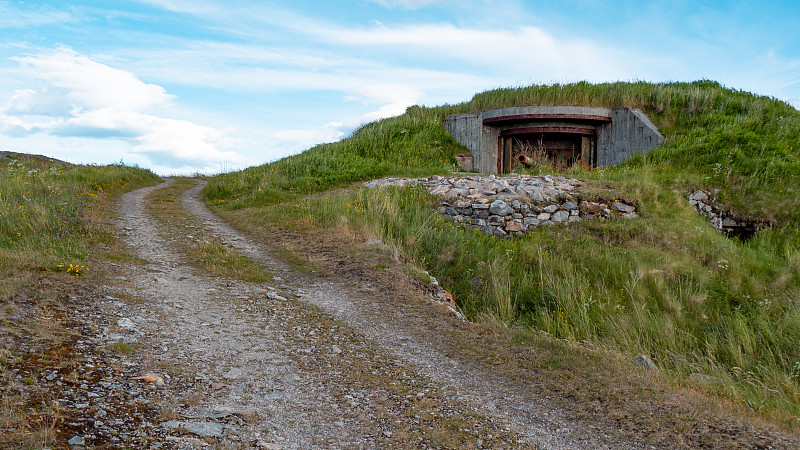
{"x":524,"y":160}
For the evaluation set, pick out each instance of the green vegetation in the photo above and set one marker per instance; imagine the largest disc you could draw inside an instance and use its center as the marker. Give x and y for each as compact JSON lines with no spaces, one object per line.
{"x":121,"y":348}
{"x":47,"y":208}
{"x":667,"y":284}
{"x":223,"y":261}
{"x":206,"y":251}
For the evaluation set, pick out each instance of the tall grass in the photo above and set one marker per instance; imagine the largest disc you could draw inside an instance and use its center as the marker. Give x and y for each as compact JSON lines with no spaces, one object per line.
{"x":413,"y":144}
{"x":673,"y":289}
{"x":667,"y":284}
{"x":45,"y":209}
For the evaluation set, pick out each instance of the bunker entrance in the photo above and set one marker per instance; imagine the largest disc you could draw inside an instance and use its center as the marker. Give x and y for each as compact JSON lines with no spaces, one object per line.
{"x":559,"y":148}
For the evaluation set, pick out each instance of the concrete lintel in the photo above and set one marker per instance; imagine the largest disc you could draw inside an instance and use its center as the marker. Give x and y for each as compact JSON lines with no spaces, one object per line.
{"x":547,"y":110}
{"x":533,"y":130}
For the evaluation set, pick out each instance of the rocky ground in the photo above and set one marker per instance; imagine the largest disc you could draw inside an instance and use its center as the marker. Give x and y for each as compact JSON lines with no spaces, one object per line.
{"x":165,"y":355}
{"x":723,"y":219}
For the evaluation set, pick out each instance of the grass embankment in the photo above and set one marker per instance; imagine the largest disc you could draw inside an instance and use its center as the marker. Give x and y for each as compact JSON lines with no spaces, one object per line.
{"x":667,"y":285}
{"x":47,"y":209}
{"x":50,"y":227}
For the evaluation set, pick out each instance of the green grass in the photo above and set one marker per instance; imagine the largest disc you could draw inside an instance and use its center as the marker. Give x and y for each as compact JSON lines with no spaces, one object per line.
{"x":121,"y":348}
{"x":223,"y":261}
{"x":206,"y":251}
{"x":667,"y":285}
{"x":47,"y":207}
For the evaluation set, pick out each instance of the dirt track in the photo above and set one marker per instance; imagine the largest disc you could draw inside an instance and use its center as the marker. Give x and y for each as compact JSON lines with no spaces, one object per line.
{"x":308,"y":362}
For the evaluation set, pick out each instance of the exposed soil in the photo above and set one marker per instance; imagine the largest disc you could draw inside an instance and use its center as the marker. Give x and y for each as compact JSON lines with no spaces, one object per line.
{"x":165,"y":355}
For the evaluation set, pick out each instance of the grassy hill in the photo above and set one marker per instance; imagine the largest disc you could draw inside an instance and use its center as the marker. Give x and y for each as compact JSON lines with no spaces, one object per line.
{"x":46,"y":212}
{"x":667,"y":284}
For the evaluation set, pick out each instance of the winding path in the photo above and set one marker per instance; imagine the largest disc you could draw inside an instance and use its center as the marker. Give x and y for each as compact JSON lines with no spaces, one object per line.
{"x":308,"y":362}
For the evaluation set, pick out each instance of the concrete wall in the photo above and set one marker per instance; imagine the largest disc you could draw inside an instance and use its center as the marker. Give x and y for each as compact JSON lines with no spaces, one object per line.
{"x":629,"y":132}
{"x":489,"y":138}
{"x":466,"y":130}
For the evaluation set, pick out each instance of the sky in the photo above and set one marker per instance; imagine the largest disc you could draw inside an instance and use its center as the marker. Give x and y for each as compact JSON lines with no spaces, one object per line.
{"x":209,"y":86}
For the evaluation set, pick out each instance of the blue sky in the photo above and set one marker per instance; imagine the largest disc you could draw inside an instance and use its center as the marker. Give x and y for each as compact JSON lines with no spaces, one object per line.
{"x":183,"y":86}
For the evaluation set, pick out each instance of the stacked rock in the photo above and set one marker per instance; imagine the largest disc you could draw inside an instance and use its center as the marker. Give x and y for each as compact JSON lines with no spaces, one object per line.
{"x":705,"y":202}
{"x":513,"y":205}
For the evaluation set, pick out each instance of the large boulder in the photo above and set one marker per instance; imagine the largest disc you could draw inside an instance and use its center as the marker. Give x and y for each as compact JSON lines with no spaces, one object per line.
{"x":559,"y":216}
{"x":500,"y":208}
{"x":647,"y":364}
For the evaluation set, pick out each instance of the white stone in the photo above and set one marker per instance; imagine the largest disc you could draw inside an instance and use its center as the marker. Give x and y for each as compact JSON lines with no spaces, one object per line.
{"x":559,"y":216}
{"x":233,"y":373}
{"x":550,"y":209}
{"x":126,"y":323}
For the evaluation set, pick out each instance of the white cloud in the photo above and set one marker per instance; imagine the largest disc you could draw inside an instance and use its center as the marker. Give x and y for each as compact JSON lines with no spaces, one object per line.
{"x":237,"y":67}
{"x":89,"y":84}
{"x":296,"y":140}
{"x":515,"y":52}
{"x":510,"y":55}
{"x":186,"y":6}
{"x":79,"y":97}
{"x":433,"y":57}
{"x":495,"y":55}
{"x":37,"y":103}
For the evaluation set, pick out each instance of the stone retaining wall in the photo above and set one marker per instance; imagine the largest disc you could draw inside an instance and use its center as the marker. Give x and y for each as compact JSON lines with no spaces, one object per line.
{"x":514,"y":205}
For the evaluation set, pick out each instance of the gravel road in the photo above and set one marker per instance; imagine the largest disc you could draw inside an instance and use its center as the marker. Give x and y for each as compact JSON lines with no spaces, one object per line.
{"x":304,"y":362}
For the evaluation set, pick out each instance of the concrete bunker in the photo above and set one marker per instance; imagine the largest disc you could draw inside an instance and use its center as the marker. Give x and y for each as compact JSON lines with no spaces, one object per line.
{"x":562,"y":136}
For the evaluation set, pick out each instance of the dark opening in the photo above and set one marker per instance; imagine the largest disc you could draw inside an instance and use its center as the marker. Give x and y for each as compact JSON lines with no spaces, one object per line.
{"x":560,"y":150}
{"x":742,"y":233}
{"x":743,"y":228}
